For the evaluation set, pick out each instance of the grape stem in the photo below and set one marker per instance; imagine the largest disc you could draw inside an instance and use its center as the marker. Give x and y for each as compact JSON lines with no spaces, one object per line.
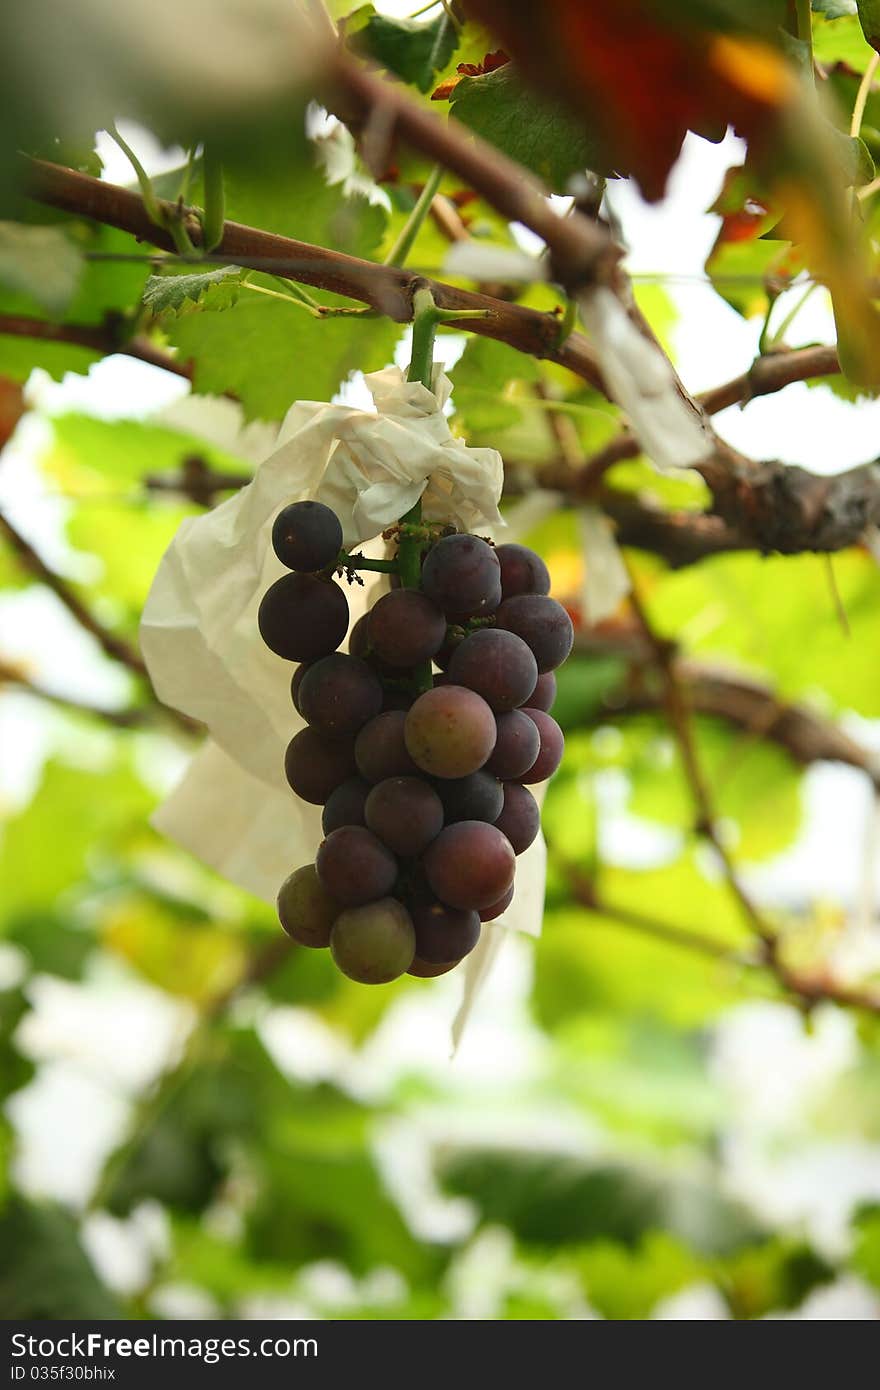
{"x":426,"y":316}
{"x":344,"y":561}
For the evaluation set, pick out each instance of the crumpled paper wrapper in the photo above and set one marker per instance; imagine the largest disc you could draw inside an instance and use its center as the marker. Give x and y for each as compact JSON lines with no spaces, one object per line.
{"x":233,"y":808}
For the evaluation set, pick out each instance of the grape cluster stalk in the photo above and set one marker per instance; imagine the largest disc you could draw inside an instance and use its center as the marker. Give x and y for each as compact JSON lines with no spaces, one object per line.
{"x":421,"y":741}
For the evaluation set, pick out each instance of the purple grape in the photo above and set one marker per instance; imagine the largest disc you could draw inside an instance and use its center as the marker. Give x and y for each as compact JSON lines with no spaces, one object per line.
{"x":374,"y":943}
{"x":461,"y":574}
{"x":497,"y":665}
{"x":470,"y":864}
{"x":477,"y":797}
{"x":315,"y":766}
{"x":345,"y":805}
{"x":307,"y":536}
{"x":552,"y":747}
{"x":306,"y":910}
{"x":338,"y":694}
{"x":296,"y":681}
{"x":516,"y":747}
{"x":520,"y":818}
{"x":543,"y":625}
{"x":303,"y":618}
{"x":450,"y":731}
{"x":544,"y":694}
{"x":488,"y":914}
{"x":424,"y":970}
{"x":380,"y":748}
{"x":406,"y":814}
{"x":522,"y":571}
{"x":405,"y":628}
{"x":354,"y":866}
{"x":396,"y":699}
{"x":443,"y":933}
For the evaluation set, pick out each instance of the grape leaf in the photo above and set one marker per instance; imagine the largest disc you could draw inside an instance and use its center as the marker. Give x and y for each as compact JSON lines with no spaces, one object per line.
{"x":47,"y":1274}
{"x":41,"y":262}
{"x":528,"y":128}
{"x":412,"y":49}
{"x":173,"y":294}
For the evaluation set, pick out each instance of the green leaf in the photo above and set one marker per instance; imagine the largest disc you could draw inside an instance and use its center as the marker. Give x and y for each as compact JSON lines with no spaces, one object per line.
{"x":554,"y":1200}
{"x":46,"y":1271}
{"x":41,"y":262}
{"x":869,"y":18}
{"x":415,"y":50}
{"x":483,"y":379}
{"x":841,"y":41}
{"x":16,"y":1070}
{"x":269,"y":354}
{"x":526,"y":127}
{"x":50,"y":844}
{"x":866,"y":1255}
{"x":172,"y":294}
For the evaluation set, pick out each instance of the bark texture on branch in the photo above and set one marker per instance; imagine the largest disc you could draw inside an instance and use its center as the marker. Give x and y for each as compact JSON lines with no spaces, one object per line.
{"x":388,"y":289}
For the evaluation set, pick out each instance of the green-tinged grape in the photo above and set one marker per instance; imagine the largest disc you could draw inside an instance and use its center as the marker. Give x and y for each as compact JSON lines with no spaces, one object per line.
{"x":345,"y":805}
{"x":302,"y":617}
{"x":405,"y":628}
{"x":516,"y":747}
{"x":339,"y":694}
{"x":380,"y":748}
{"x":375,"y":943}
{"x":543,"y":625}
{"x":406,"y":813}
{"x":450,"y":731}
{"x":315,"y":766}
{"x":307,"y":536}
{"x":354,"y":865}
{"x":497,"y":665}
{"x":522,"y":571}
{"x":461,"y":574}
{"x":520,"y":818}
{"x":470,"y":864}
{"x":306,"y":910}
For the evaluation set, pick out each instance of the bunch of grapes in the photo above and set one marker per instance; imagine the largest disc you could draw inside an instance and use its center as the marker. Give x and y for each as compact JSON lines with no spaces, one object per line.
{"x":420,"y":743}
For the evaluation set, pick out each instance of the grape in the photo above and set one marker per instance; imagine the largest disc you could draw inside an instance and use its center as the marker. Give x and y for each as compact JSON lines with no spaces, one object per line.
{"x":450,"y":731}
{"x":354,"y":865}
{"x":455,"y":635}
{"x":522,"y":571}
{"x":543,"y":625}
{"x":470,"y":864}
{"x":424,"y":970}
{"x":345,"y":805}
{"x":552,"y":747}
{"x":516,"y":747}
{"x":315,"y":766}
{"x":396,"y":699}
{"x":295,"y":683}
{"x":477,"y":797}
{"x":339,"y":694}
{"x":307,"y":536}
{"x":520,"y":818}
{"x":406,"y":628}
{"x":380,"y":748}
{"x":375,"y":943}
{"x":442,"y":933}
{"x":488,"y":914}
{"x":463,"y":577}
{"x":497,"y":665}
{"x":405,"y":813}
{"x":302,"y":618}
{"x":305,"y":909}
{"x":544,"y":693}
{"x":358,"y":638}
